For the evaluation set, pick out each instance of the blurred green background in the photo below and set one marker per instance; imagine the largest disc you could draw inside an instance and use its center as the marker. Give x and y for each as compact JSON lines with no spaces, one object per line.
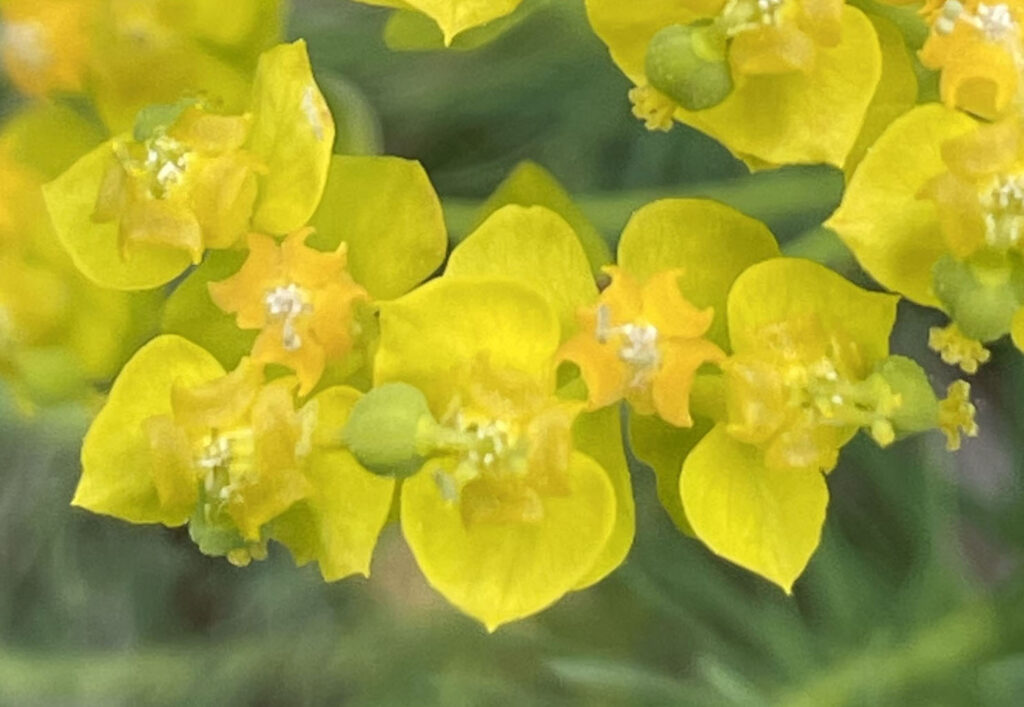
{"x":916,"y":595}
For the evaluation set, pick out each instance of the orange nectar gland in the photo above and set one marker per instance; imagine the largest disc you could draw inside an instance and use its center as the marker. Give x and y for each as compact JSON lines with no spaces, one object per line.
{"x":801,"y":396}
{"x":504,"y":446}
{"x":302,"y":300}
{"x":643,"y":345}
{"x":978,"y":47}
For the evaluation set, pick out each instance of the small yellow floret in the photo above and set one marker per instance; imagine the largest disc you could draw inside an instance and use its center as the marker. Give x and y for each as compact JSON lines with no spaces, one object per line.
{"x":956,"y":414}
{"x":956,"y":349}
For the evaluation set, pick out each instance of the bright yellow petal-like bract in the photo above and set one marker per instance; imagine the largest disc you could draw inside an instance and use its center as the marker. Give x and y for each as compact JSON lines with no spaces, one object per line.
{"x":95,"y":247}
{"x":896,"y":92}
{"x":709,"y":242}
{"x":427,"y":334}
{"x":293,"y":136}
{"x":795,"y":290}
{"x":894,"y":232}
{"x":766,"y":520}
{"x":454,"y":16}
{"x":797,"y":117}
{"x":503,"y":572}
{"x":117,"y":457}
{"x":771,"y":119}
{"x":388,"y":213}
{"x":598,"y":434}
{"x":529,"y":184}
{"x":534,"y":246}
{"x":338,"y":524}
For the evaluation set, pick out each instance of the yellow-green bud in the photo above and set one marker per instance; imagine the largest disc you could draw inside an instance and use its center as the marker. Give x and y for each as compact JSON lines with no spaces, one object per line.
{"x":980,"y":295}
{"x":688,"y":63}
{"x":386,"y":429}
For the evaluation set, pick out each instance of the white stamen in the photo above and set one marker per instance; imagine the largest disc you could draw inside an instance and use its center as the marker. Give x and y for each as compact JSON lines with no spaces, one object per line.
{"x":996,"y":21}
{"x":639,"y":349}
{"x":287,"y":303}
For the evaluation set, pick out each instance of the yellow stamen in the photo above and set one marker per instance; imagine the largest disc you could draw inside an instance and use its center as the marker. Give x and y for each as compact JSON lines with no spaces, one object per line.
{"x":653,"y":107}
{"x":956,"y":349}
{"x":956,"y":414}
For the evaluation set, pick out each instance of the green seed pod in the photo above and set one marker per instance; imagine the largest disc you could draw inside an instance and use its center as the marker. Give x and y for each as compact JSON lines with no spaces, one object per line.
{"x":919,"y":408}
{"x":980,"y":295}
{"x":688,"y":63}
{"x":386,"y":428}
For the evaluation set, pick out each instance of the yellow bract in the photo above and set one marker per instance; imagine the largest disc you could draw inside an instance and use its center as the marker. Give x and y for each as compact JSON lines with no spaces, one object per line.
{"x":766,"y":520}
{"x":809,"y":79}
{"x":181,"y":441}
{"x":510,"y":517}
{"x":302,"y":300}
{"x":536,"y":247}
{"x":802,"y":379}
{"x":454,"y":16}
{"x":134,"y":212}
{"x":895,"y":234}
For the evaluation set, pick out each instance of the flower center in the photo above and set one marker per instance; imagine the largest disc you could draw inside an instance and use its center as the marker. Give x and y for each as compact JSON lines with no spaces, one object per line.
{"x":995,"y":22}
{"x":795,"y":405}
{"x":483,"y":447}
{"x":28,"y":42}
{"x":161,"y":163}
{"x":286,"y":304}
{"x":223,"y":457}
{"x":1003,"y":201}
{"x":740,"y":16}
{"x":638,"y":345}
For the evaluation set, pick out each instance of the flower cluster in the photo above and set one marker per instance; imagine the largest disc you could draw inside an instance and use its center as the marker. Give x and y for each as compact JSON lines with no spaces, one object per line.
{"x":297,"y":356}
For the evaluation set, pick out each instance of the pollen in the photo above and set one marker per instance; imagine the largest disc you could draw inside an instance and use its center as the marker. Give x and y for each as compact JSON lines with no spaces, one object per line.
{"x":286,"y":304}
{"x":638,"y":345}
{"x":956,"y":349}
{"x":161,"y":164}
{"x":996,"y":21}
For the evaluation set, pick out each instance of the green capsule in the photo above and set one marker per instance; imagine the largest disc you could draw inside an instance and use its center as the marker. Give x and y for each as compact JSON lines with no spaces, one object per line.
{"x":981,"y":294}
{"x":919,"y":408}
{"x":689,"y":64}
{"x":386,"y":429}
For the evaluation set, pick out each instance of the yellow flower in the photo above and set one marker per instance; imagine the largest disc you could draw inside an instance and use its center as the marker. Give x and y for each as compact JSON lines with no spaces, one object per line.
{"x":506,"y":516}
{"x":134,"y":212}
{"x":301,"y":300}
{"x":186,"y":186}
{"x":643,"y":345}
{"x":805,"y":374}
{"x":978,"y":48}
{"x":808,"y":70}
{"x":181,"y":441}
{"x":935,"y":212}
